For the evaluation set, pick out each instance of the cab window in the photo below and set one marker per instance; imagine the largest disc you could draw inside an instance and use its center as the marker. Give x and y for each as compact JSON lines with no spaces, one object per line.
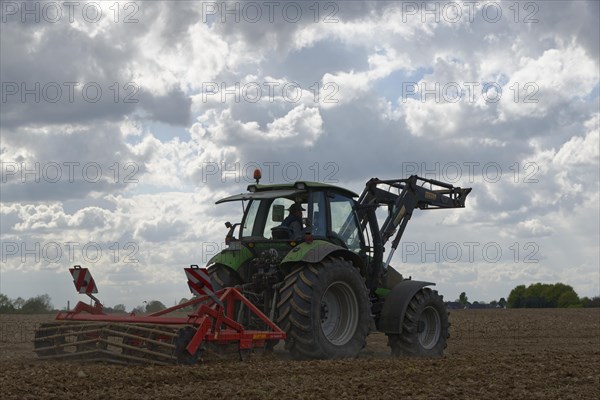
{"x":269,"y":223}
{"x":344,"y":224}
{"x":250,"y":220}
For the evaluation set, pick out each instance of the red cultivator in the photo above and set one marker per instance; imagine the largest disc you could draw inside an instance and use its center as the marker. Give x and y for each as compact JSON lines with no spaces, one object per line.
{"x":87,"y":333}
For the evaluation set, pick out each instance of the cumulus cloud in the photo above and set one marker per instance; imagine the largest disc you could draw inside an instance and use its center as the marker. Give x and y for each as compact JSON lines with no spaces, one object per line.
{"x":558,"y":76}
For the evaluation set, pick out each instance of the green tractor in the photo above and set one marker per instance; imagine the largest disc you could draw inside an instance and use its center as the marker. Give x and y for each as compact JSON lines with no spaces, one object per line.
{"x":325,"y":282}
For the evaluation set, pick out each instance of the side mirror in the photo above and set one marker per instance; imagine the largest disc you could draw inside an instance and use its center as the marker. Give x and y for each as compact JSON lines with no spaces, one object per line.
{"x":278,"y":213}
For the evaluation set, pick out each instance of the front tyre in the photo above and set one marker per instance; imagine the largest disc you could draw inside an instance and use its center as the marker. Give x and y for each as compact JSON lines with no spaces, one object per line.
{"x":424,"y":328}
{"x":325,"y":310}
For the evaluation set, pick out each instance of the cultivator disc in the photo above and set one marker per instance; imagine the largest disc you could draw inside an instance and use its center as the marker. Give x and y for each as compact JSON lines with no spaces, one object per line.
{"x":112,"y":342}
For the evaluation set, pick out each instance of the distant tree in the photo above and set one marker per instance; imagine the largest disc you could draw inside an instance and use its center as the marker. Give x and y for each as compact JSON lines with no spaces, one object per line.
{"x":589,"y":303}
{"x":18,"y":303}
{"x":37,"y":305}
{"x":6,"y":305}
{"x":537,"y":296}
{"x":561,"y":295}
{"x":119,"y":308}
{"x":543,"y":295}
{"x":463,"y":299}
{"x":154,"y":306}
{"x":502,"y":302}
{"x":493,"y":303}
{"x":568,"y":298}
{"x":139,"y":309}
{"x":516,"y":298}
{"x":188,"y":308}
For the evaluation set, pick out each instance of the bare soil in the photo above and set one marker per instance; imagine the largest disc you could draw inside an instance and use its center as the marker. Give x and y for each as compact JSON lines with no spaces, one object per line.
{"x":492,"y":354}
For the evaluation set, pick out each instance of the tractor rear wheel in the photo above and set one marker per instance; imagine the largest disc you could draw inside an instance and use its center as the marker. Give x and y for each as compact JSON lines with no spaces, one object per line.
{"x":324,"y":310}
{"x":222,"y":276}
{"x":424,"y":328}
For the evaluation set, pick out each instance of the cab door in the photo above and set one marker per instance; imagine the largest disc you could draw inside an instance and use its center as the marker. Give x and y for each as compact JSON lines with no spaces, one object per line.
{"x":343,"y":222}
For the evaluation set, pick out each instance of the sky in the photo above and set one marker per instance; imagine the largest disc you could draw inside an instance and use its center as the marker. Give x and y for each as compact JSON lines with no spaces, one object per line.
{"x":123,"y":122}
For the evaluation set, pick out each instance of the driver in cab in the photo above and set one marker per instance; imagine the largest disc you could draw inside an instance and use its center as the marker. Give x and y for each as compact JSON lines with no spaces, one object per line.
{"x":294,"y":220}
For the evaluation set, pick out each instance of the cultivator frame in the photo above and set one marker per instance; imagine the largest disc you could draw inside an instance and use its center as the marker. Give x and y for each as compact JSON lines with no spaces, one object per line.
{"x":88,"y":333}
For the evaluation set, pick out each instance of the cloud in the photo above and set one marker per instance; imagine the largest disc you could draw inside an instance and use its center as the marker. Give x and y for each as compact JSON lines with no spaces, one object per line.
{"x":581,"y":150}
{"x":544,"y":83}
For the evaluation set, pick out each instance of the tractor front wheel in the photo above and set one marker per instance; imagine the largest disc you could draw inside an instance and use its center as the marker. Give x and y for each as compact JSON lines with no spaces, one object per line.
{"x":324,"y":310}
{"x":424,"y":328}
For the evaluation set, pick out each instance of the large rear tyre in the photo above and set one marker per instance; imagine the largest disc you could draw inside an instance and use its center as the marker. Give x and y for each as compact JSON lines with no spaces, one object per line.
{"x":222,"y":276}
{"x":324,"y":309}
{"x":424,"y":328}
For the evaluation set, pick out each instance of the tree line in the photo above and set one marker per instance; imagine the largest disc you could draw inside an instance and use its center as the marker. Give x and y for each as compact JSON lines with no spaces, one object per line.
{"x":464,"y":302}
{"x":34,"y":305}
{"x":42,"y":304}
{"x":545,"y":295}
{"x":537,"y":295}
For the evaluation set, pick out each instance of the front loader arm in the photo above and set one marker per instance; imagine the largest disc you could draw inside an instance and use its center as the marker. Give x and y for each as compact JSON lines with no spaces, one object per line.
{"x":412,"y":192}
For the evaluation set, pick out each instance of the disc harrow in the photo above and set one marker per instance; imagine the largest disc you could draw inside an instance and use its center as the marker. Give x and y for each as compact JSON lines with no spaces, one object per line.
{"x":113,"y":342}
{"x":88,"y":334}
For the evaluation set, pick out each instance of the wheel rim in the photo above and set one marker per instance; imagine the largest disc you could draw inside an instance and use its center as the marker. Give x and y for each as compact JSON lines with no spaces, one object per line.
{"x":339,"y":313}
{"x":430,"y":327}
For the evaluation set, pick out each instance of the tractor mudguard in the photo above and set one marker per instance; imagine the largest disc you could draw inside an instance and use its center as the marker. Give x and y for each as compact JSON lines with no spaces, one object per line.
{"x":396,"y":303}
{"x":317,"y":250}
{"x":233,"y":258}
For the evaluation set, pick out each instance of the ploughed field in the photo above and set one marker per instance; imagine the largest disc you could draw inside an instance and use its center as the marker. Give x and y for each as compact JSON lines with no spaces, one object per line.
{"x":492,"y":354}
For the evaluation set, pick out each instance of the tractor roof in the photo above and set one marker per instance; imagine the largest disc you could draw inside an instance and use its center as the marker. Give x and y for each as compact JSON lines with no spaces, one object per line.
{"x":258,"y":191}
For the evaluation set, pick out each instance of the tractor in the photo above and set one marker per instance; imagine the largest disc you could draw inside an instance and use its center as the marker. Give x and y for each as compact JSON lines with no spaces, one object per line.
{"x":320,"y":281}
{"x":328,"y":286}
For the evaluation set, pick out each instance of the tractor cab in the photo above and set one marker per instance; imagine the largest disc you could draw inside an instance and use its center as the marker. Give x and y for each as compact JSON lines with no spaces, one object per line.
{"x":330,"y":224}
{"x":328,"y":215}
